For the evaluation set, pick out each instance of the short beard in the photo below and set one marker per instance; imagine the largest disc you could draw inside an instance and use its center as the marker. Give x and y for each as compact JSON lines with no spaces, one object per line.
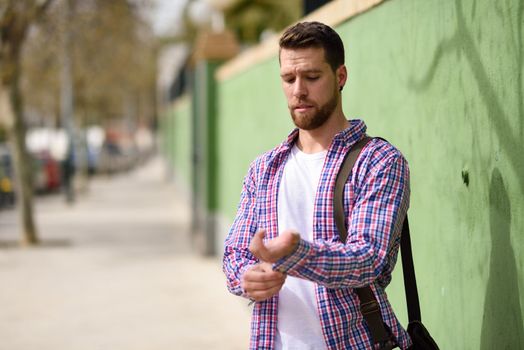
{"x":319,"y":118}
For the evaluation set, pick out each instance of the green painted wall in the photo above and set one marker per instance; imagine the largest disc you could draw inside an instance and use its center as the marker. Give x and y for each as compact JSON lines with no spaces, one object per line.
{"x":252,"y":118}
{"x":182,"y":140}
{"x":442,"y":80}
{"x":205,"y":168}
{"x":165,"y":137}
{"x":176,"y":139}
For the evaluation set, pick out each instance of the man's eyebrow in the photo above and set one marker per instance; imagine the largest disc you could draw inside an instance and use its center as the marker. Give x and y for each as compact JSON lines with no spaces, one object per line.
{"x":305,"y":71}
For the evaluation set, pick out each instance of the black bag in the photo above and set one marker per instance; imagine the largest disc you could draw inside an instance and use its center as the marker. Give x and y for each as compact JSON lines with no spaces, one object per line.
{"x":420,"y":337}
{"x":369,"y":306}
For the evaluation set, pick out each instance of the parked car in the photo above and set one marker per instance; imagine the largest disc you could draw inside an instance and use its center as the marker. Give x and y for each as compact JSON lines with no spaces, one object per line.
{"x":7,"y":193}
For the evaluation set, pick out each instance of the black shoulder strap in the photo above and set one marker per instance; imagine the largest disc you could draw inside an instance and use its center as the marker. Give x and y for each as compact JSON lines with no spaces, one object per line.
{"x":368,"y":303}
{"x":342,"y":177}
{"x":408,"y":270}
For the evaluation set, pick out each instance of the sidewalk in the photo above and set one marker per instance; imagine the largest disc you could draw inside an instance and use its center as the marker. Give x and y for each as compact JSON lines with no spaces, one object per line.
{"x":115,"y":272}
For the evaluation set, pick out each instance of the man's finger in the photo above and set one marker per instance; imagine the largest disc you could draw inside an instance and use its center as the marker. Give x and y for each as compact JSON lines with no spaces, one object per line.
{"x":263,"y":280}
{"x":264,"y":295}
{"x":257,"y":247}
{"x":256,"y":276}
{"x":262,"y":273}
{"x":261,"y":286}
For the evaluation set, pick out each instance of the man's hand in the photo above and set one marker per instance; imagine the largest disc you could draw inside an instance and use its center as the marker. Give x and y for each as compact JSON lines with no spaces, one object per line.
{"x":260,"y":281}
{"x":277,"y":248}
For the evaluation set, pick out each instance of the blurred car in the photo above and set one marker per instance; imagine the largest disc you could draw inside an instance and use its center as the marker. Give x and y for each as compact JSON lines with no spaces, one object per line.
{"x":118,"y":153}
{"x":46,"y":172}
{"x":7,"y":193}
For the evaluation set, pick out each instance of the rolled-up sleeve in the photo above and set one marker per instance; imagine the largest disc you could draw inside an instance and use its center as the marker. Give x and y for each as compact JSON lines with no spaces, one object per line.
{"x":237,"y":257}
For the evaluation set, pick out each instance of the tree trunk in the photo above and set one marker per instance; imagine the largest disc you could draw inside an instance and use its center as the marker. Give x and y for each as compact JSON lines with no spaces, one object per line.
{"x":15,"y":19}
{"x":23,"y":164}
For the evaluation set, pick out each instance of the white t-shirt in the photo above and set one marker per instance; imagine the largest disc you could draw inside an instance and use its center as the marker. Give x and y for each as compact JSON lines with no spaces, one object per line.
{"x":298,"y":325}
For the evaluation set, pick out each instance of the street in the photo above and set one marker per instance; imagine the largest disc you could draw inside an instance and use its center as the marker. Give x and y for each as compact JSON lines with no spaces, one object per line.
{"x":115,"y":271}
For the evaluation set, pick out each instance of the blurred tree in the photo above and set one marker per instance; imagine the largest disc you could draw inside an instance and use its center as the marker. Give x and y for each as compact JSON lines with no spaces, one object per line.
{"x":113,"y":71}
{"x":3,"y":135}
{"x":250,"y":18}
{"x":16,"y":19}
{"x":114,"y":62}
{"x":110,"y":53}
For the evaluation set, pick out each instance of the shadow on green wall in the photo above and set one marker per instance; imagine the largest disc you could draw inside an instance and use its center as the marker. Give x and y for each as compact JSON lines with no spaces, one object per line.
{"x":502,"y":326}
{"x":462,"y":42}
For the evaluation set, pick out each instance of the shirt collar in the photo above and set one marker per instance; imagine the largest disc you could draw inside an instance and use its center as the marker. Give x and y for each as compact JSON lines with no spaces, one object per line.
{"x":353,"y":133}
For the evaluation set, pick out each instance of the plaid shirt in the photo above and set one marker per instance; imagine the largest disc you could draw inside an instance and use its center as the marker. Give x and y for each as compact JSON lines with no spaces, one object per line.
{"x":376,"y":202}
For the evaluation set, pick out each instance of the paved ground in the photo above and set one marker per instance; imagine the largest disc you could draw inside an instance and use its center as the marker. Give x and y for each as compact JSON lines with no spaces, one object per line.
{"x":115,"y":272}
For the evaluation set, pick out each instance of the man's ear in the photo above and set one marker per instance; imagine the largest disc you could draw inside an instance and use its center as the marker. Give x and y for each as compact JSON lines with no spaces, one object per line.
{"x":342,"y":76}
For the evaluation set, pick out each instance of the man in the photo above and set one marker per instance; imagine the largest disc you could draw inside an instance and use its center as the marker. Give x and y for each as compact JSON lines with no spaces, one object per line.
{"x":283,"y":251}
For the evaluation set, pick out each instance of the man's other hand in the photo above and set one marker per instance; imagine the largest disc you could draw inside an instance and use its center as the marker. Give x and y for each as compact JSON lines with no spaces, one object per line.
{"x":260,"y":282}
{"x":276,"y":248}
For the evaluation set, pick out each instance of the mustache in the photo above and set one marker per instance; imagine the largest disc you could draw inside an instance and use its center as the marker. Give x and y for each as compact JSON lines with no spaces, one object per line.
{"x":302,"y":104}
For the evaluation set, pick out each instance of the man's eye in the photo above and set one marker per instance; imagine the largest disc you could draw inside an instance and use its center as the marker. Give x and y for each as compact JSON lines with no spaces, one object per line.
{"x":289,"y":80}
{"x":312,"y":78}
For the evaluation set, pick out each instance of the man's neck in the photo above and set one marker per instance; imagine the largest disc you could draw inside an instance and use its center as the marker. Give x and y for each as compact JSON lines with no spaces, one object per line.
{"x":319,"y":139}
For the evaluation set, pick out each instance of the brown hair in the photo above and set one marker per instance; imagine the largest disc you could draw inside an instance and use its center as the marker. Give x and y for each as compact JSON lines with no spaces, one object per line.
{"x":314,"y":34}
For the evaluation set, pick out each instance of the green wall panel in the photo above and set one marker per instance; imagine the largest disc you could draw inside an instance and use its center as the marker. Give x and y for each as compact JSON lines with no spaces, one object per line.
{"x":167,"y":122}
{"x":252,"y":118}
{"x":443,"y":81}
{"x":176,"y":138}
{"x":182,"y":140}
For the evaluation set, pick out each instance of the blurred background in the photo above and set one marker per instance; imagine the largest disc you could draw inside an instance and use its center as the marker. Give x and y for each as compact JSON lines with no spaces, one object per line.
{"x":126,"y":128}
{"x":100,"y":242}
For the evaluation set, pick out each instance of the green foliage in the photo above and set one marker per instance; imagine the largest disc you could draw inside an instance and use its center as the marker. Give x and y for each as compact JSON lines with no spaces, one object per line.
{"x":249,"y":18}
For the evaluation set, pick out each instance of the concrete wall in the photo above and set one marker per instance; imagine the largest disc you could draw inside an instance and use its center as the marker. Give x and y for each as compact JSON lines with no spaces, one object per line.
{"x":442,"y":80}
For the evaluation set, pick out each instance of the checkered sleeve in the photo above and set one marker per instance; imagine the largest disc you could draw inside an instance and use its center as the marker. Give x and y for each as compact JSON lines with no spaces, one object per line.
{"x":237,"y":258}
{"x":381,"y":200}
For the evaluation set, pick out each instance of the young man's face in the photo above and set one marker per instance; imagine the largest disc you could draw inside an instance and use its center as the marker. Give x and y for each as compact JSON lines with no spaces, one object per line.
{"x":310,"y":85}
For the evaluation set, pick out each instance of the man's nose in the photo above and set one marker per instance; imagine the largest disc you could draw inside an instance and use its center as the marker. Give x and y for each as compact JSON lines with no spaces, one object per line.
{"x":299,"y":89}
